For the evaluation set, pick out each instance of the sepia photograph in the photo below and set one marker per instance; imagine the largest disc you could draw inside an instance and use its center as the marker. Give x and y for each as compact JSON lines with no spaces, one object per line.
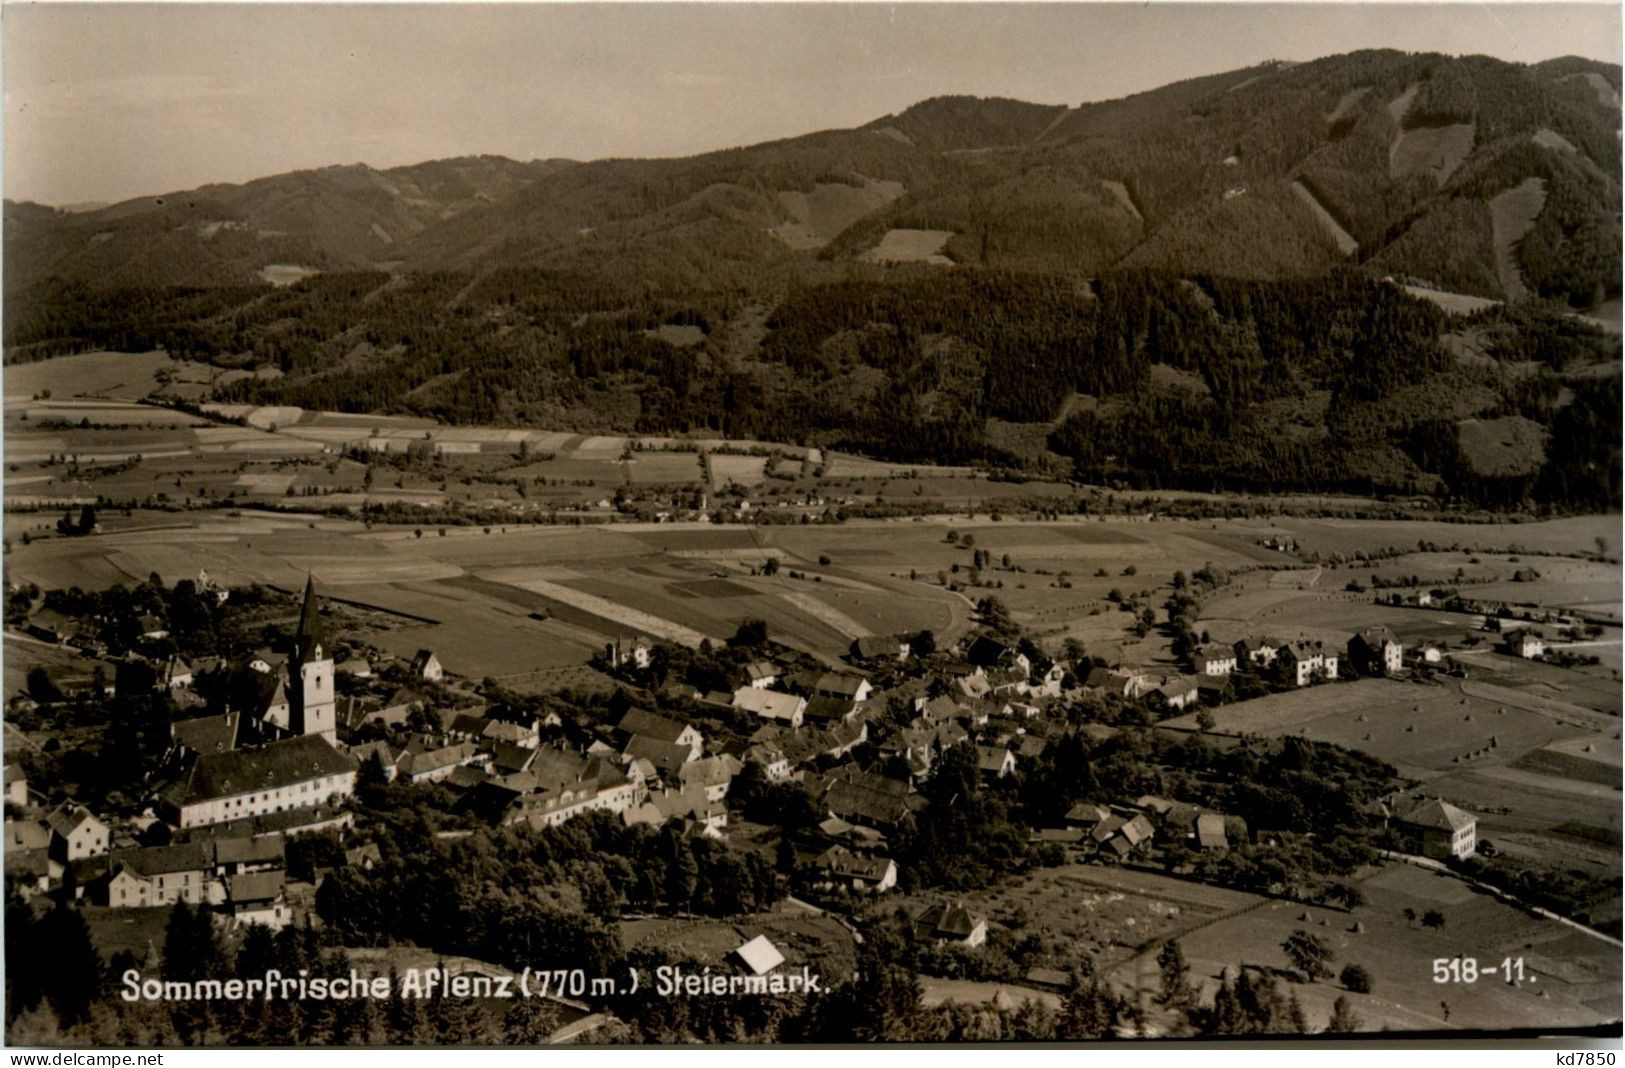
{"x":812,"y":525}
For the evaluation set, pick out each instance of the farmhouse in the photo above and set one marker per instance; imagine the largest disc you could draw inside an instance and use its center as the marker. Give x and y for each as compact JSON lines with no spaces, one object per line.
{"x":1306,"y":661}
{"x":1257,"y":651}
{"x":427,"y":759}
{"x":637,"y":652}
{"x":295,"y":773}
{"x":843,"y":687}
{"x":951,"y":923}
{"x":762,"y":674}
{"x":878,"y":647}
{"x":1436,"y":828}
{"x":1525,"y":642}
{"x":76,"y":833}
{"x":639,"y":723}
{"x":1177,"y":692}
{"x":1215,"y":660}
{"x":771,"y":705}
{"x":995,"y":762}
{"x":161,"y":875}
{"x":986,"y":652}
{"x":258,"y":897}
{"x":1376,"y":652}
{"x":1426,"y":652}
{"x":49,"y":625}
{"x":847,"y":870}
{"x":426,"y":666}
{"x":711,"y":774}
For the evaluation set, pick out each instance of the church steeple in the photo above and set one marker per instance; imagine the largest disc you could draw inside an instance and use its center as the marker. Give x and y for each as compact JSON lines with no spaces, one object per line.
{"x":307,"y":640}
{"x":312,"y":707}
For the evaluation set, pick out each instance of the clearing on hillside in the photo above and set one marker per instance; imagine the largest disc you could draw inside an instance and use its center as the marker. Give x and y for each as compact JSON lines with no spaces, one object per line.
{"x":286,"y":274}
{"x":1513,"y":214}
{"x":1345,"y":241}
{"x":815,"y":218}
{"x":1432,"y":150}
{"x":1511,"y":445}
{"x":1346,"y":104}
{"x":1120,"y":191}
{"x":911,"y":246}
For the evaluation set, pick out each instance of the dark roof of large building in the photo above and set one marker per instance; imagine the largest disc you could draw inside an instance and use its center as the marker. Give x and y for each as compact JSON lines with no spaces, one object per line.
{"x":650,"y":725}
{"x":986,"y":651}
{"x":255,"y":886}
{"x":164,"y":860}
{"x":1437,"y":815}
{"x":268,"y":767}
{"x":207,"y":734}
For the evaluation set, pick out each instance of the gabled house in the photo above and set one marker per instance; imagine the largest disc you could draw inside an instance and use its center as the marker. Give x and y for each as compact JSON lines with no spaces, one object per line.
{"x":425,"y":665}
{"x":1524,"y":642}
{"x":843,"y":687}
{"x":161,"y":875}
{"x":761,"y":674}
{"x":430,"y":759}
{"x":951,"y":923}
{"x":771,"y":705}
{"x":175,"y":674}
{"x":995,"y":762}
{"x":1215,"y":660}
{"x":1257,"y":650}
{"x":987,"y":652}
{"x":76,"y":833}
{"x":664,"y":759}
{"x":258,"y":897}
{"x":1435,"y":828}
{"x":879,"y":647}
{"x":1177,"y":692}
{"x":771,"y":759}
{"x":711,"y":774}
{"x":637,"y":722}
{"x":841,"y":868}
{"x":1306,"y":661}
{"x":1376,"y":651}
{"x":1427,"y":652}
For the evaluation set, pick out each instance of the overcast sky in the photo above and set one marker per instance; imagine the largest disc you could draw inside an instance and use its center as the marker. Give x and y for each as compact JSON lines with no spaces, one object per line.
{"x":104,"y":102}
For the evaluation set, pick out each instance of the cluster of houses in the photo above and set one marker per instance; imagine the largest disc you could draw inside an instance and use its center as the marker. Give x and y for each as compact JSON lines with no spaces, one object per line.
{"x":71,"y":850}
{"x":1129,"y":830}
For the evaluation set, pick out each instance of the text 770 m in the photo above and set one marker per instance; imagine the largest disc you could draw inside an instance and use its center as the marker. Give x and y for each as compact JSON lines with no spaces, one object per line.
{"x":1468,"y":970}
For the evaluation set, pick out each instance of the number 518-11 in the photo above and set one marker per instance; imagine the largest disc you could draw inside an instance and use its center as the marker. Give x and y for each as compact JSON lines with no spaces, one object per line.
{"x":1468,"y":970}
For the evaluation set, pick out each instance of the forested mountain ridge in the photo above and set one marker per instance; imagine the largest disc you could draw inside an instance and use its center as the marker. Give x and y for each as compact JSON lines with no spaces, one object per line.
{"x":1195,"y":287}
{"x":1388,"y":160}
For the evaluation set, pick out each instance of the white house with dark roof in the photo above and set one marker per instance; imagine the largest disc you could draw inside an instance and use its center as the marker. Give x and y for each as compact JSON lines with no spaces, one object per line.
{"x":301,"y":772}
{"x":1435,"y":828}
{"x":1375,"y":651}
{"x":76,"y":833}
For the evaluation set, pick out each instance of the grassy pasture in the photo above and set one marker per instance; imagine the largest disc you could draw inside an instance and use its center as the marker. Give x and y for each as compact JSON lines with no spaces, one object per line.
{"x":1573,"y":973}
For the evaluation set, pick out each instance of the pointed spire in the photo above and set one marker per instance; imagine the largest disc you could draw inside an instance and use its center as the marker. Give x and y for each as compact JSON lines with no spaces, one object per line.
{"x":309,"y":634}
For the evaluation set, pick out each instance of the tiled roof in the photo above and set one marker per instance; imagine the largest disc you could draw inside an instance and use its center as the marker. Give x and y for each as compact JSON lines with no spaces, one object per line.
{"x":268,"y":767}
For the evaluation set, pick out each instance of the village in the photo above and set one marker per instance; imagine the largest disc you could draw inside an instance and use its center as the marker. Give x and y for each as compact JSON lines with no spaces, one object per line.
{"x":833,"y":773}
